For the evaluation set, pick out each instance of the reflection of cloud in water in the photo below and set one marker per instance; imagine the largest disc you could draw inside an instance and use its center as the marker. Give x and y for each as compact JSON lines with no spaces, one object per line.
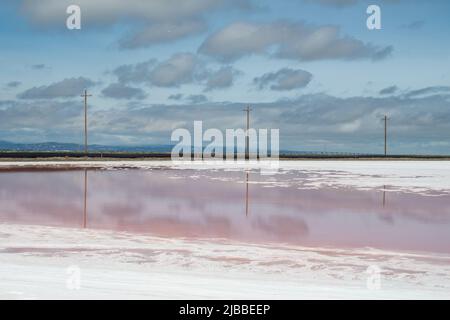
{"x":213,"y":205}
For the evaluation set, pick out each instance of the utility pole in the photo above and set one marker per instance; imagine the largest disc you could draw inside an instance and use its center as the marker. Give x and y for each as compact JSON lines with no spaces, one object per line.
{"x":85,"y":96}
{"x":385,"y":135}
{"x":247,"y":138}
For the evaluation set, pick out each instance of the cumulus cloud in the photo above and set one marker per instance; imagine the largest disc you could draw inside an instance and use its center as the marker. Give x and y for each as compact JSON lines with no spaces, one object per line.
{"x":46,"y":120}
{"x":296,"y":41}
{"x":153,"y":21}
{"x":222,"y":78}
{"x":121,"y":91}
{"x":112,"y":11}
{"x":70,"y":87}
{"x":135,"y":73}
{"x":428,"y":91}
{"x":284,"y":79}
{"x":163,"y":32}
{"x":388,"y":90}
{"x":178,"y":69}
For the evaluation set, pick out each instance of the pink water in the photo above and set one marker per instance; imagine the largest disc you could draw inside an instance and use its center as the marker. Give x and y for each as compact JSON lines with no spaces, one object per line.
{"x":229,"y":205}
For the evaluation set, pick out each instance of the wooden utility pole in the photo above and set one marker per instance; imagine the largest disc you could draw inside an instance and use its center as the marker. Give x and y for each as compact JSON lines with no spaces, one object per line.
{"x":247,"y":138}
{"x":85,"y":96}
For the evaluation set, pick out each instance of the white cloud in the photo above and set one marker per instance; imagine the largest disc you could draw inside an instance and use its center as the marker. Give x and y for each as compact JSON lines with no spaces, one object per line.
{"x":111,"y":11}
{"x":388,"y":90}
{"x":178,"y":69}
{"x":350,"y":126}
{"x":163,"y":32}
{"x":152,"y":21}
{"x":121,"y":91}
{"x":70,"y":87}
{"x":296,"y":41}
{"x":222,"y":78}
{"x":284,"y":79}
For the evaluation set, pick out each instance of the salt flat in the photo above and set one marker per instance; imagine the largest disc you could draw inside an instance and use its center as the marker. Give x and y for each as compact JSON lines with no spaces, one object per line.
{"x":34,"y":262}
{"x":167,"y":262}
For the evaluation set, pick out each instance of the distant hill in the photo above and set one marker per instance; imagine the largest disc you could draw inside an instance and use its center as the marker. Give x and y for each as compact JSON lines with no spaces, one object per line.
{"x":73,"y":147}
{"x":57,"y":146}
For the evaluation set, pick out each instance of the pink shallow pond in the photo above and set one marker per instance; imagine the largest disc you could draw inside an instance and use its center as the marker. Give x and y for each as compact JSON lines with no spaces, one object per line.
{"x":234,"y":205}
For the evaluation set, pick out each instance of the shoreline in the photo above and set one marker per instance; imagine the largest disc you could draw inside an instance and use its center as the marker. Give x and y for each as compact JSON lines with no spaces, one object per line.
{"x":143,"y":156}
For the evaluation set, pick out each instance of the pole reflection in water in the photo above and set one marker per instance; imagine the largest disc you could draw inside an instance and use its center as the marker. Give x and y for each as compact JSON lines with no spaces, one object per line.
{"x":246,"y":193}
{"x":85,"y":198}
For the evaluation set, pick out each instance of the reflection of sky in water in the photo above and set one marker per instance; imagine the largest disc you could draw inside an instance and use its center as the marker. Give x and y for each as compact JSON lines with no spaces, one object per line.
{"x":188,"y":203}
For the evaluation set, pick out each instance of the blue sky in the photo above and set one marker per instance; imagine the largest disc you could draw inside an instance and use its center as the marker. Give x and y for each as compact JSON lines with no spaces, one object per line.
{"x":153,"y":66}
